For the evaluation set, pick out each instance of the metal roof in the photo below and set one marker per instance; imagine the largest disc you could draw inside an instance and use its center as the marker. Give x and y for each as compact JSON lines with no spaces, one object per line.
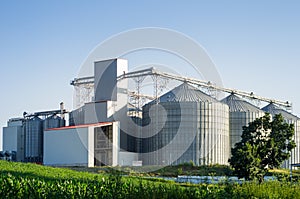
{"x":186,"y":93}
{"x":81,"y":126}
{"x":274,"y":110}
{"x":237,"y":104}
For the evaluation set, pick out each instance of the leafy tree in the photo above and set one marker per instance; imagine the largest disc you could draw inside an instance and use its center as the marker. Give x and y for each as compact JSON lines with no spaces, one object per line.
{"x":265,"y":145}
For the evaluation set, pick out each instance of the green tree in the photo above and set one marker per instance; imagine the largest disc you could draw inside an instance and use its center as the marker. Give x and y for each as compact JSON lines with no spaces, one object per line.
{"x":265,"y":145}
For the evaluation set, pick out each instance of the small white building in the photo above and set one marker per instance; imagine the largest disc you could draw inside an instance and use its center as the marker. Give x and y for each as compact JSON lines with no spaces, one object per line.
{"x":85,"y":145}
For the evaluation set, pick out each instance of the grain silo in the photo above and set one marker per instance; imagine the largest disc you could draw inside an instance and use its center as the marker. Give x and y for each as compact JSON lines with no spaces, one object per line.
{"x":34,"y":139}
{"x":53,"y":121}
{"x":241,"y":113}
{"x":185,"y":125}
{"x":290,"y":119}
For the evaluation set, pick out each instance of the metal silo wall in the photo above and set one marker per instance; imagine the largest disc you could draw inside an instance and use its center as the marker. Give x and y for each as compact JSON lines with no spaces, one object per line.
{"x":33,"y":140}
{"x":53,"y":122}
{"x":236,"y":122}
{"x":187,"y":122}
{"x":206,"y":123}
{"x":295,"y":152}
{"x":214,"y":133}
{"x":153,"y":117}
{"x":163,"y":132}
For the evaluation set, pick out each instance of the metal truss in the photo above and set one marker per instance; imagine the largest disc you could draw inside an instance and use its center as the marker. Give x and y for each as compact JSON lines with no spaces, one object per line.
{"x":79,"y":82}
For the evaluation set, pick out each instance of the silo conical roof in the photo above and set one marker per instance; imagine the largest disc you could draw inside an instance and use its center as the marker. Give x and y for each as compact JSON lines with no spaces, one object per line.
{"x":186,"y":93}
{"x":237,"y":104}
{"x":274,"y":110}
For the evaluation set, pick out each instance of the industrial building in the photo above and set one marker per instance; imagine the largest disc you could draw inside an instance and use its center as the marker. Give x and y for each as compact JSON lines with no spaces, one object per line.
{"x":112,"y":125}
{"x":24,"y":136}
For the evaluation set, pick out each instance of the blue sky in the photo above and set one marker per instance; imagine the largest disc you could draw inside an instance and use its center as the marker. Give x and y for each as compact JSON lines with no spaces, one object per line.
{"x":255,"y":45}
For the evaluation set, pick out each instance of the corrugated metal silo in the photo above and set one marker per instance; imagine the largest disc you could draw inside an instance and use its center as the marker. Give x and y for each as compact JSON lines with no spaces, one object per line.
{"x":290,"y":119}
{"x":34,"y":140}
{"x":185,"y":125}
{"x":241,"y":113}
{"x":53,"y":121}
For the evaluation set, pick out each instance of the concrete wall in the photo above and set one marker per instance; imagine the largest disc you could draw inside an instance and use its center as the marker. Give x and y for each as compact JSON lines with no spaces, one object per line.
{"x":116,"y":143}
{"x":10,"y":137}
{"x":106,"y":73}
{"x":90,"y":146}
{"x":14,"y":140}
{"x":105,"y":80}
{"x":67,"y":147}
{"x":75,"y":146}
{"x":95,"y":112}
{"x":17,"y":122}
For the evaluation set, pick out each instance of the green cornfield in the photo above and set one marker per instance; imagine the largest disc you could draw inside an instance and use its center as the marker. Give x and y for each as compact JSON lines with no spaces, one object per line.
{"x":19,"y":180}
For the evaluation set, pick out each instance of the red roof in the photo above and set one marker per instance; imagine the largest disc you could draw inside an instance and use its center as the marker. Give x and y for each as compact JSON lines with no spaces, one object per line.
{"x":81,"y":126}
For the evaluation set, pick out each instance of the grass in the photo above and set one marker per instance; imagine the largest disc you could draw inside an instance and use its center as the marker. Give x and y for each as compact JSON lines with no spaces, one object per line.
{"x":25,"y":180}
{"x":39,"y":171}
{"x":168,"y":171}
